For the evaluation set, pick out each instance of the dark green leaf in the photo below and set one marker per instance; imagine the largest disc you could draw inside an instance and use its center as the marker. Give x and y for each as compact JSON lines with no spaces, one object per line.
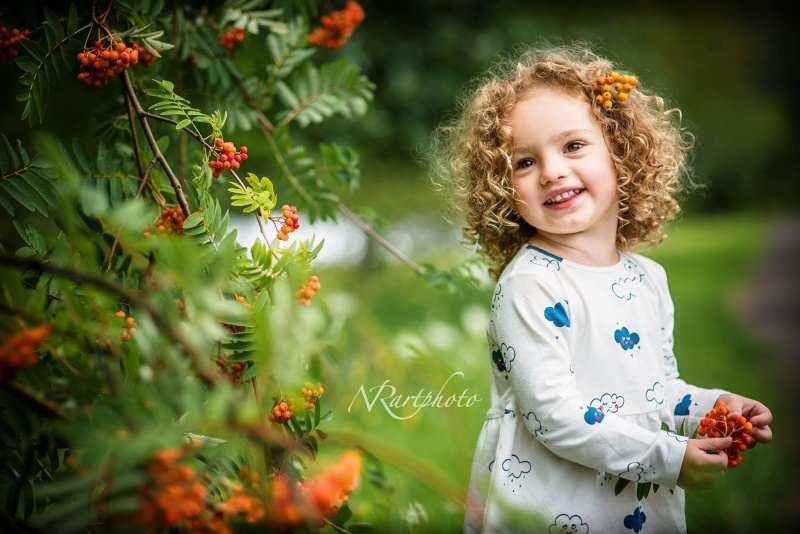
{"x":620,"y":485}
{"x":54,"y":23}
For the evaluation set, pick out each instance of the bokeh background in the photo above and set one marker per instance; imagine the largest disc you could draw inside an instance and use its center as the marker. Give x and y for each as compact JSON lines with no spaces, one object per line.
{"x":731,"y":69}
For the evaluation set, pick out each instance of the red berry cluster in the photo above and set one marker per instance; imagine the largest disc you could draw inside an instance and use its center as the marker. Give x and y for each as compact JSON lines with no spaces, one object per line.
{"x":128,"y":326}
{"x":227,"y":157}
{"x":337,"y":26}
{"x":9,"y":42}
{"x":232,"y":39}
{"x":100,"y":65}
{"x":146,"y":58}
{"x":232,"y":370}
{"x":289,"y":220}
{"x":281,"y":413}
{"x":717,"y":424}
{"x":311,"y":394}
{"x":307,"y":291}
{"x":171,"y":222}
{"x":19,"y":351}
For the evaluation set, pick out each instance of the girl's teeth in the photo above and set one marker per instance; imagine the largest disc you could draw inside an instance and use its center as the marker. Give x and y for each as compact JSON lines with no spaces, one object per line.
{"x":562,"y":196}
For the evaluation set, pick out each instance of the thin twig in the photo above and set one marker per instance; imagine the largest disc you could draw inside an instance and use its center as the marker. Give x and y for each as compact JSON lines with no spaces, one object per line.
{"x":408,"y":262}
{"x":134,"y":135}
{"x":196,"y":135}
{"x":136,"y":299}
{"x":176,"y":185}
{"x":138,"y":192}
{"x":30,"y":397}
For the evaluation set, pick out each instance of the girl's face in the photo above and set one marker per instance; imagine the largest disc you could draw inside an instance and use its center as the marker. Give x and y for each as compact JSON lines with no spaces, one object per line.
{"x":564,"y":177}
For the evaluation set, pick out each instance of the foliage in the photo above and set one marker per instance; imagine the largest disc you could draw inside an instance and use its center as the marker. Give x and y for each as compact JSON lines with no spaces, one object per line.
{"x":155,"y":374}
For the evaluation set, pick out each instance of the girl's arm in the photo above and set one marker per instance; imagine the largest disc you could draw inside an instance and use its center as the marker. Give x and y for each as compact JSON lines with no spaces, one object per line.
{"x":530,"y":328}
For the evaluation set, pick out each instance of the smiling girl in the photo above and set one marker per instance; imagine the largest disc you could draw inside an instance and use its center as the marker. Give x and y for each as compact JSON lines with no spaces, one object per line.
{"x":564,"y":167}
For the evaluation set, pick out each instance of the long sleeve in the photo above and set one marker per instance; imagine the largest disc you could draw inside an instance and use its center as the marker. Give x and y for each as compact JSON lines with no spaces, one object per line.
{"x":532,"y":331}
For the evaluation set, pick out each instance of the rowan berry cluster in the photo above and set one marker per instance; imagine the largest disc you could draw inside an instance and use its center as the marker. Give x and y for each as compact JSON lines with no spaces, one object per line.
{"x":337,"y":26}
{"x":289,"y":220}
{"x":321,"y":495}
{"x":128,"y":326}
{"x":308,"y":290}
{"x":613,"y":84}
{"x":146,"y":58}
{"x":281,"y":412}
{"x":717,"y":424}
{"x":232,"y":370}
{"x":243,"y":502}
{"x":311,"y":394}
{"x":175,"y":494}
{"x":19,"y":351}
{"x":100,"y":65}
{"x":231,"y":39}
{"x":170,"y":222}
{"x":226,"y":157}
{"x":9,"y":42}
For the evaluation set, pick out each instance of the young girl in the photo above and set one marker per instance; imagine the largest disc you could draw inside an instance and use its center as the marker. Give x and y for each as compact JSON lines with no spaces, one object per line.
{"x":564,"y":167}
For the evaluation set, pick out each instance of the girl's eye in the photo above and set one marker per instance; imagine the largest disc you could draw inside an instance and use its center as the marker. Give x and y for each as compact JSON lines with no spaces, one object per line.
{"x":573,"y":146}
{"x":523,"y":163}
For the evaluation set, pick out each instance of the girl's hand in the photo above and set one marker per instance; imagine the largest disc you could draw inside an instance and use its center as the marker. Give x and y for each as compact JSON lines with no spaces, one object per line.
{"x":755,"y":412}
{"x":704,"y":463}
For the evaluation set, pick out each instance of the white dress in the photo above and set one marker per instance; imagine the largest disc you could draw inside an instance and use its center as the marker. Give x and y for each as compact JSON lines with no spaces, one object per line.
{"x":583,"y":378}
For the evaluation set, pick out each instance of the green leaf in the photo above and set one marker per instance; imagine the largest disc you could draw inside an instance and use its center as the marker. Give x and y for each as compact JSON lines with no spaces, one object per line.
{"x":207,"y":442}
{"x":286,"y":95}
{"x":81,"y":153}
{"x":42,"y":187}
{"x":28,"y":64}
{"x":620,"y":485}
{"x":192,"y":220}
{"x":9,"y":153}
{"x":183,"y":124}
{"x":72,"y":23}
{"x":53,"y":22}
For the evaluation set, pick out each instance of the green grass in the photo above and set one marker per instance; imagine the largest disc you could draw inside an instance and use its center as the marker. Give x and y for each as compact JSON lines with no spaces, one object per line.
{"x":398,"y":329}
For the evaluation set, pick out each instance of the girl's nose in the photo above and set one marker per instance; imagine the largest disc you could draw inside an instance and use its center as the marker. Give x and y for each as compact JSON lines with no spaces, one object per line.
{"x":552,"y":170}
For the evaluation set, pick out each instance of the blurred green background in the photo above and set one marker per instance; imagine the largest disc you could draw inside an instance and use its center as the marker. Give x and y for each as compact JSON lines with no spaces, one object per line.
{"x":729,"y":66}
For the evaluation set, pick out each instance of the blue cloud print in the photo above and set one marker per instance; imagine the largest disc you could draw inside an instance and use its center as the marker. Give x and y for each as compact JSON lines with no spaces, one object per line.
{"x":626,"y":339}
{"x":635,"y":469}
{"x":544,"y":261}
{"x":503,"y":357}
{"x":570,"y":524}
{"x":636,"y":520}
{"x":608,"y":403}
{"x":593,"y":415}
{"x":682,"y":408}
{"x":516,"y":467}
{"x":535,"y":426}
{"x":624,"y":288}
{"x":656,"y":394}
{"x":557,"y":314}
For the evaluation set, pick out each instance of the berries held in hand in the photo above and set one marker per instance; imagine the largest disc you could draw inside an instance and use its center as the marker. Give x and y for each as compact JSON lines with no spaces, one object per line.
{"x":717,"y":424}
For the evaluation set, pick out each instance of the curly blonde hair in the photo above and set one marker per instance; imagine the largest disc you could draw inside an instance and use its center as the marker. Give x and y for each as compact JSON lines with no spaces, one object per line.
{"x":471,"y":154}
